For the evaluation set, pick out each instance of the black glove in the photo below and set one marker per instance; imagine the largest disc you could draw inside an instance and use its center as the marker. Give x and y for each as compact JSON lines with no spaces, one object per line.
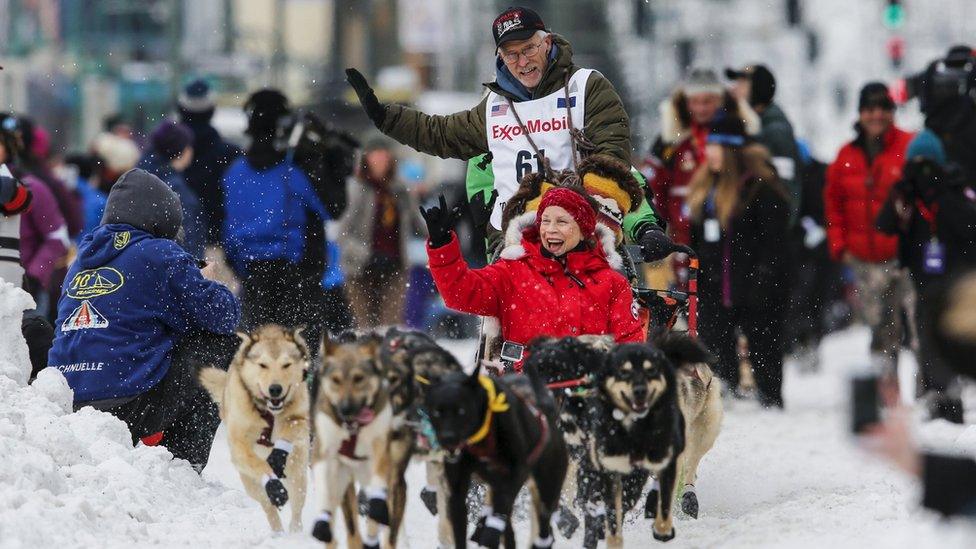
{"x":277,"y":459}
{"x":655,"y":245}
{"x":374,"y":109}
{"x":440,"y":222}
{"x":322,"y":530}
{"x":376,"y":508}
{"x":277,"y":494}
{"x":480,"y":211}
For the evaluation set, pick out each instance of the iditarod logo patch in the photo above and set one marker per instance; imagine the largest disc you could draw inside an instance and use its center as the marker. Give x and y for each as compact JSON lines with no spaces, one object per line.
{"x":83,"y":318}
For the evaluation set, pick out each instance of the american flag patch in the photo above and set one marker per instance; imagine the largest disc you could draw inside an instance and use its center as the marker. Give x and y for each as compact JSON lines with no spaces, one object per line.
{"x":499,"y":110}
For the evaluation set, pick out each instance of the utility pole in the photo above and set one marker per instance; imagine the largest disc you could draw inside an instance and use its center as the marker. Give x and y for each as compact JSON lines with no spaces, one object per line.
{"x":175,"y":46}
{"x":278,"y":57}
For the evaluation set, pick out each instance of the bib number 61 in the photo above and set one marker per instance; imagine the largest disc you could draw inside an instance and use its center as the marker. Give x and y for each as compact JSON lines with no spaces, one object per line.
{"x":523,"y":163}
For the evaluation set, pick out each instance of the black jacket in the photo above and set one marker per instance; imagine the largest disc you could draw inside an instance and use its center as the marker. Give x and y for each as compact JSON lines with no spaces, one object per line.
{"x":211,"y":156}
{"x":755,"y":244}
{"x":953,"y":205}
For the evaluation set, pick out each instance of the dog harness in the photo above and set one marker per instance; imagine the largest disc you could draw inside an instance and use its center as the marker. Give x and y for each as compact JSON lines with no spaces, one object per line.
{"x":483,"y":444}
{"x":348,"y":447}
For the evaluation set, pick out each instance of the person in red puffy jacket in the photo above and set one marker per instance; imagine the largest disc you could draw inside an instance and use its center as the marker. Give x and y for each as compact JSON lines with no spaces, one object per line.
{"x":557,"y":282}
{"x":858,"y":183}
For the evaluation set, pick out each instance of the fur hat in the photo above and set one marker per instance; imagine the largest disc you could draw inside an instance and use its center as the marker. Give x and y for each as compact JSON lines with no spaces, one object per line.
{"x":574,"y":202}
{"x":610,"y":182}
{"x":702,"y":81}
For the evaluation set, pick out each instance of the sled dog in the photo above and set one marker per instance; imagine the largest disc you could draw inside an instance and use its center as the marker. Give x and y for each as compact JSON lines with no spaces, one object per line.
{"x":504,"y":431}
{"x":352,"y":419}
{"x":263,"y":401}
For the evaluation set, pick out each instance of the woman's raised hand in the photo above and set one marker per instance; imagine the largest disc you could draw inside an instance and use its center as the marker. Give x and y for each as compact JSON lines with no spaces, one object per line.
{"x":440,"y":221}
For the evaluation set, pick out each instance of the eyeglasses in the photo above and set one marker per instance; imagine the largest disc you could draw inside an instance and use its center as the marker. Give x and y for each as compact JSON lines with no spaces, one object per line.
{"x":528,"y":51}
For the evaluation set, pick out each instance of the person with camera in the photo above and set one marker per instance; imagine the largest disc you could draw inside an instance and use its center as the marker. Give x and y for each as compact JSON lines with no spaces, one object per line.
{"x":858,"y":183}
{"x":277,"y":198}
{"x":948,"y":481}
{"x":946,"y":90}
{"x":932,"y":211}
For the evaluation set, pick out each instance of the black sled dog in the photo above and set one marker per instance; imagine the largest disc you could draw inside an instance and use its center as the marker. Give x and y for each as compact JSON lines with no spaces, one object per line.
{"x":504,"y":431}
{"x":635,"y":429}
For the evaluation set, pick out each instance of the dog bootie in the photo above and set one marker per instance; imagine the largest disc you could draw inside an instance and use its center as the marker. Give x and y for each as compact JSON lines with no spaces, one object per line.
{"x":376,"y":507}
{"x":371,"y":543}
{"x":279,"y":457}
{"x":491,"y":534}
{"x":429,"y":496}
{"x":322,"y":530}
{"x":594,"y":524}
{"x":566,"y":522}
{"x":689,"y":502}
{"x":479,"y":525}
{"x":275,"y":490}
{"x":650,"y":504}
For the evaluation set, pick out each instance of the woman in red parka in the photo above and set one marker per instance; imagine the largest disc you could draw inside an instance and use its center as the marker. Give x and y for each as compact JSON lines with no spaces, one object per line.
{"x":557,"y":282}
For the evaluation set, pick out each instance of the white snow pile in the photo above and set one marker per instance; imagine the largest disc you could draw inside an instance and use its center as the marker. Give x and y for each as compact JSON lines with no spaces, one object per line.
{"x":774,"y":479}
{"x":74,"y":479}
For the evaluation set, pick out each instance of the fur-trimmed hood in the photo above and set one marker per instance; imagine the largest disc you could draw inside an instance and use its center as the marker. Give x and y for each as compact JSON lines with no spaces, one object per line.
{"x":514,"y":249}
{"x":676,"y":120}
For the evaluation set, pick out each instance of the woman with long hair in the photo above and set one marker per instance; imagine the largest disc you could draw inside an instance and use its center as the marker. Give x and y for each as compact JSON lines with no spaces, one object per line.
{"x":739,"y":215}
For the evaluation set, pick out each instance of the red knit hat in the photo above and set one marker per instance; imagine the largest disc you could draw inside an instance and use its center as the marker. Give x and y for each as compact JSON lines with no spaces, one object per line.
{"x":574,"y":203}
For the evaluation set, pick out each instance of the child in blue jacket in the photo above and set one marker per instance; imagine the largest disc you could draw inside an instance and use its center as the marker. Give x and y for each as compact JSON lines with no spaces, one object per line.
{"x":135,"y":317}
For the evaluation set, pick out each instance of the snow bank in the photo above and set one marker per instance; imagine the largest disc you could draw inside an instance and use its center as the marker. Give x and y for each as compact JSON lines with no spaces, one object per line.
{"x":75,"y":480}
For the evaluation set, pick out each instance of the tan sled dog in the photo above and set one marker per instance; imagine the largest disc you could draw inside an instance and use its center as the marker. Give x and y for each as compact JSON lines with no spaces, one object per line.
{"x":700,"y":401}
{"x":263,"y":400}
{"x":353,"y":420}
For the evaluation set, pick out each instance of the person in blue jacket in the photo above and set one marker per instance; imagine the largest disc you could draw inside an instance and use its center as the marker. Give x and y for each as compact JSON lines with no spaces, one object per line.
{"x":270,"y":204}
{"x":136,"y":315}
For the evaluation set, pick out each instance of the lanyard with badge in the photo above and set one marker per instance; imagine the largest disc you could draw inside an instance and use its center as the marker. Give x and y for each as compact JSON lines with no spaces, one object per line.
{"x":712,"y":231}
{"x":933,"y":257}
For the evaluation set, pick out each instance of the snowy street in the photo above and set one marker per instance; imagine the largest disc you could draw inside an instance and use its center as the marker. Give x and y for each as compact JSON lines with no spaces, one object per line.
{"x":791,"y":479}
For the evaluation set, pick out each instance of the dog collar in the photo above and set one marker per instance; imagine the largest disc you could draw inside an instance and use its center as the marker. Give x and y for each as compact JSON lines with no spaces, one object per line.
{"x":496,"y":404}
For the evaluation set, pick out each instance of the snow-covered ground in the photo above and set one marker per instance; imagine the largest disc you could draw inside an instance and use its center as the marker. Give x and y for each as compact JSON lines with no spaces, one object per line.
{"x":774,"y":479}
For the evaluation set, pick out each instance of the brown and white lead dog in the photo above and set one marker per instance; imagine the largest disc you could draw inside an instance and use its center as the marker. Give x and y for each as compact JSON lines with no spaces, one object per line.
{"x":263,"y":401}
{"x":352,"y":419}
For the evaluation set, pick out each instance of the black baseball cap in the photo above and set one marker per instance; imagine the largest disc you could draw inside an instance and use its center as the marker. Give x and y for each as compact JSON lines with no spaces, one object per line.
{"x":875,"y":94}
{"x":763,"y":82}
{"x":516,"y":23}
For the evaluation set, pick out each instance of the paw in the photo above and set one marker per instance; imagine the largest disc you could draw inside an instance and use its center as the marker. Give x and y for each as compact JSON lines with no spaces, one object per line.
{"x":322,"y":530}
{"x":689,"y":504}
{"x":650,"y":504}
{"x":566,"y":522}
{"x":277,"y":494}
{"x":373,"y":543}
{"x":479,"y":528}
{"x":278,"y":458}
{"x":663,"y":537}
{"x":491,"y":534}
{"x":376,"y":508}
{"x":429,"y":497}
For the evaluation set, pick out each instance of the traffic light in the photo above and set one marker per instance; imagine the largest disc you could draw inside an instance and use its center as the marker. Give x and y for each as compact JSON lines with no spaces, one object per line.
{"x":896,"y":51}
{"x":894,"y":15}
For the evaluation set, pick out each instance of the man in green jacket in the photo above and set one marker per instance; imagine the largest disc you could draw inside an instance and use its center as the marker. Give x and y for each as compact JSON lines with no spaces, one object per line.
{"x":528,"y":114}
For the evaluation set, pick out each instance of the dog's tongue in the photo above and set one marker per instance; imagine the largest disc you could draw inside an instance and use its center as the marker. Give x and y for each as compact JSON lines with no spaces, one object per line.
{"x":365,"y":416}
